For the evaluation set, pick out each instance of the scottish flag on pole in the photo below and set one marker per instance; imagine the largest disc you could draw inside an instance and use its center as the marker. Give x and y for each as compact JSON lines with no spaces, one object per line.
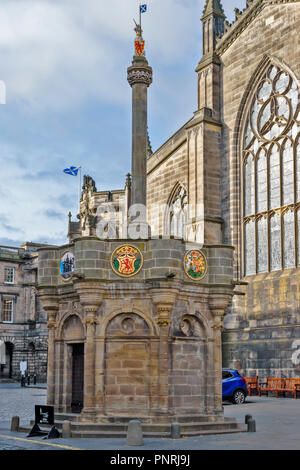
{"x":73,"y":170}
{"x":143,"y":8}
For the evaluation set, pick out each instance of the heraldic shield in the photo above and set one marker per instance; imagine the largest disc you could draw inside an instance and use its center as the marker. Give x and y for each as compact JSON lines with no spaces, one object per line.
{"x":195,"y":265}
{"x":126,"y":260}
{"x":139,"y":47}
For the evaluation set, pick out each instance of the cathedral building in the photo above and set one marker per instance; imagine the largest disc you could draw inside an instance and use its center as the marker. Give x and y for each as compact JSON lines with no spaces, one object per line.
{"x":238,"y":160}
{"x":231,"y":175}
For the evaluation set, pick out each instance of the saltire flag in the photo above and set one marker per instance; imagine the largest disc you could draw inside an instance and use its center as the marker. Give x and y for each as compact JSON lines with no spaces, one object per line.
{"x":143,"y":8}
{"x":73,"y":170}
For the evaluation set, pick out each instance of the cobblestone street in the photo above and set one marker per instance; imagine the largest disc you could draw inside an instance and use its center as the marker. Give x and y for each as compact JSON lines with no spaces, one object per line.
{"x":277,"y":426}
{"x":20,"y":401}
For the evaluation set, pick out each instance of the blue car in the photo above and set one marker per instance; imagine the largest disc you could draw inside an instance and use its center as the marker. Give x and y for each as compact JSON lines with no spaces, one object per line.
{"x":234,"y":386}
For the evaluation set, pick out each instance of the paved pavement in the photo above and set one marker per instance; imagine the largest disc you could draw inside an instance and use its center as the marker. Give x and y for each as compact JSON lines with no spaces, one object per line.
{"x":277,"y":425}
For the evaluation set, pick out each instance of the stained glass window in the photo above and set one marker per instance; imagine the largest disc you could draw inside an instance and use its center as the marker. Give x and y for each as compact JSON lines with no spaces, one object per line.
{"x":271,"y":159}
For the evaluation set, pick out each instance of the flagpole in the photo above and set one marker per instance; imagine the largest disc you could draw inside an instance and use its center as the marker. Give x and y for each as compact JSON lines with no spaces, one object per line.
{"x":79,"y":190}
{"x":140,"y":17}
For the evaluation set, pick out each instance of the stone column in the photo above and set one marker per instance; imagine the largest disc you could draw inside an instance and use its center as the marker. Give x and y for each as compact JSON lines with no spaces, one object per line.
{"x":218,"y":305}
{"x":163,"y":321}
{"x":139,"y":78}
{"x":51,"y":306}
{"x":163,"y":300}
{"x":89,"y":362}
{"x":90,"y":299}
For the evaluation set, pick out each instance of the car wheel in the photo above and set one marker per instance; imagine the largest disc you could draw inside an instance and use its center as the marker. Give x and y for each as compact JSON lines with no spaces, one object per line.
{"x":238,"y":397}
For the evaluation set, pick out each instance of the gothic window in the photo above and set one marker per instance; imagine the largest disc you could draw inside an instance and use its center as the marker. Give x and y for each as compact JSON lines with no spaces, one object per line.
{"x":178,"y":213}
{"x":271,"y":174}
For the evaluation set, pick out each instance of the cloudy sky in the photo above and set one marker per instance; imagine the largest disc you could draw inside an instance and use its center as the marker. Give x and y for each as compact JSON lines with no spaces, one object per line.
{"x":64,"y":65}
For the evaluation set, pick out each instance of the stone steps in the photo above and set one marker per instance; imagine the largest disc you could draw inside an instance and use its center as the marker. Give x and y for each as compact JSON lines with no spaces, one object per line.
{"x":119,"y":430}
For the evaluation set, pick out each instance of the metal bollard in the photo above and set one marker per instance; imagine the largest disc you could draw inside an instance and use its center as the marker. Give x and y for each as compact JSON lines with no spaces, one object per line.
{"x":247,"y":417}
{"x":28,"y":380}
{"x":34,"y":379}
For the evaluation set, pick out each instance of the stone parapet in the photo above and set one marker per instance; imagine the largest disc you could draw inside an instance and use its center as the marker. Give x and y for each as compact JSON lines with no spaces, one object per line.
{"x":162,"y":259}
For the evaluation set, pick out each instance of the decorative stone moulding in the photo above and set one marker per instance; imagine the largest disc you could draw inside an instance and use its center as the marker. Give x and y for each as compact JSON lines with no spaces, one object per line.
{"x":139,"y":75}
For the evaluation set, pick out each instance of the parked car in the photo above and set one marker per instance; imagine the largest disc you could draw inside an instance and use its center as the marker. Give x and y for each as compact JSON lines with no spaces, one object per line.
{"x":234,"y":386}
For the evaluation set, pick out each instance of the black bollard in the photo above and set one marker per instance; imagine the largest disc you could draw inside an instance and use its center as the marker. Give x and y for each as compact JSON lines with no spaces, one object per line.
{"x":251,"y":425}
{"x":22,"y":381}
{"x":247,"y":417}
{"x":28,"y":380}
{"x":34,"y":379}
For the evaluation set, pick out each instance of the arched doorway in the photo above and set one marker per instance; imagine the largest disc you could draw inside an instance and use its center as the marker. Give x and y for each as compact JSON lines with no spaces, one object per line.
{"x":74,"y":337}
{"x":6,"y":368}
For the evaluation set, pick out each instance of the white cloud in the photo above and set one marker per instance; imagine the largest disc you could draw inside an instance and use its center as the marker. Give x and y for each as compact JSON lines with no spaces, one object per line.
{"x":60,"y":58}
{"x":58,"y":53}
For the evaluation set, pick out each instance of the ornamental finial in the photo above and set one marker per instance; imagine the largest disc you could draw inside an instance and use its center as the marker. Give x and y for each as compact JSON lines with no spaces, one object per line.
{"x":139,"y":43}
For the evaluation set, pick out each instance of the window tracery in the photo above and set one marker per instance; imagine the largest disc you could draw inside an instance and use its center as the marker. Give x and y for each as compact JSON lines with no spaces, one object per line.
{"x":271,"y":174}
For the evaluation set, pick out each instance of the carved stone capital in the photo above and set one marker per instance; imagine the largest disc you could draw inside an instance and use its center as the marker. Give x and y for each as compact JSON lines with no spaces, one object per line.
{"x":163,"y":322}
{"x":218,"y":323}
{"x":51,"y":307}
{"x":51,"y":325}
{"x":164,"y":310}
{"x":218,"y":303}
{"x":90,"y":320}
{"x":139,"y":75}
{"x":90,"y":296}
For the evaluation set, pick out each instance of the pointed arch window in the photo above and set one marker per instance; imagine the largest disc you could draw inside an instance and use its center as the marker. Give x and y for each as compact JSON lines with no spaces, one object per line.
{"x":271,"y":175}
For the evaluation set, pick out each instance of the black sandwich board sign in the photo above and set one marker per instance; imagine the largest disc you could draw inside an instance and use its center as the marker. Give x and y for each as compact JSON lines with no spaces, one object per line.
{"x":44,"y":414}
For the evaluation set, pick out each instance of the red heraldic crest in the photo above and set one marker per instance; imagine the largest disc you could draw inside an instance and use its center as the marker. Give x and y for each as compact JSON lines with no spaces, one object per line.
{"x":139,"y":47}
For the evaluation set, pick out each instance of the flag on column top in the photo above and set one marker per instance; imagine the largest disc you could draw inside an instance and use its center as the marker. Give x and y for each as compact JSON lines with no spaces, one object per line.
{"x":73,"y":170}
{"x":143,"y":8}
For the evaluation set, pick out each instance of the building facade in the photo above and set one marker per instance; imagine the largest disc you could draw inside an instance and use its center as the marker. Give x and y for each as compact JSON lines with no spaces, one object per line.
{"x":23,"y":323}
{"x":231,"y":175}
{"x":235,"y":167}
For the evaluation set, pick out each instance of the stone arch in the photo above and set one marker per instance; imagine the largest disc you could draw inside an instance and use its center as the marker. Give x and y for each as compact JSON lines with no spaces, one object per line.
{"x":72,"y":329}
{"x":192,"y":326}
{"x":153,"y":329}
{"x":6,"y":369}
{"x":63,"y":321}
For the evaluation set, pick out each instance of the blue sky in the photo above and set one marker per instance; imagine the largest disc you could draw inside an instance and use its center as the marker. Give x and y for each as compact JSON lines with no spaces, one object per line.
{"x":64,"y":64}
